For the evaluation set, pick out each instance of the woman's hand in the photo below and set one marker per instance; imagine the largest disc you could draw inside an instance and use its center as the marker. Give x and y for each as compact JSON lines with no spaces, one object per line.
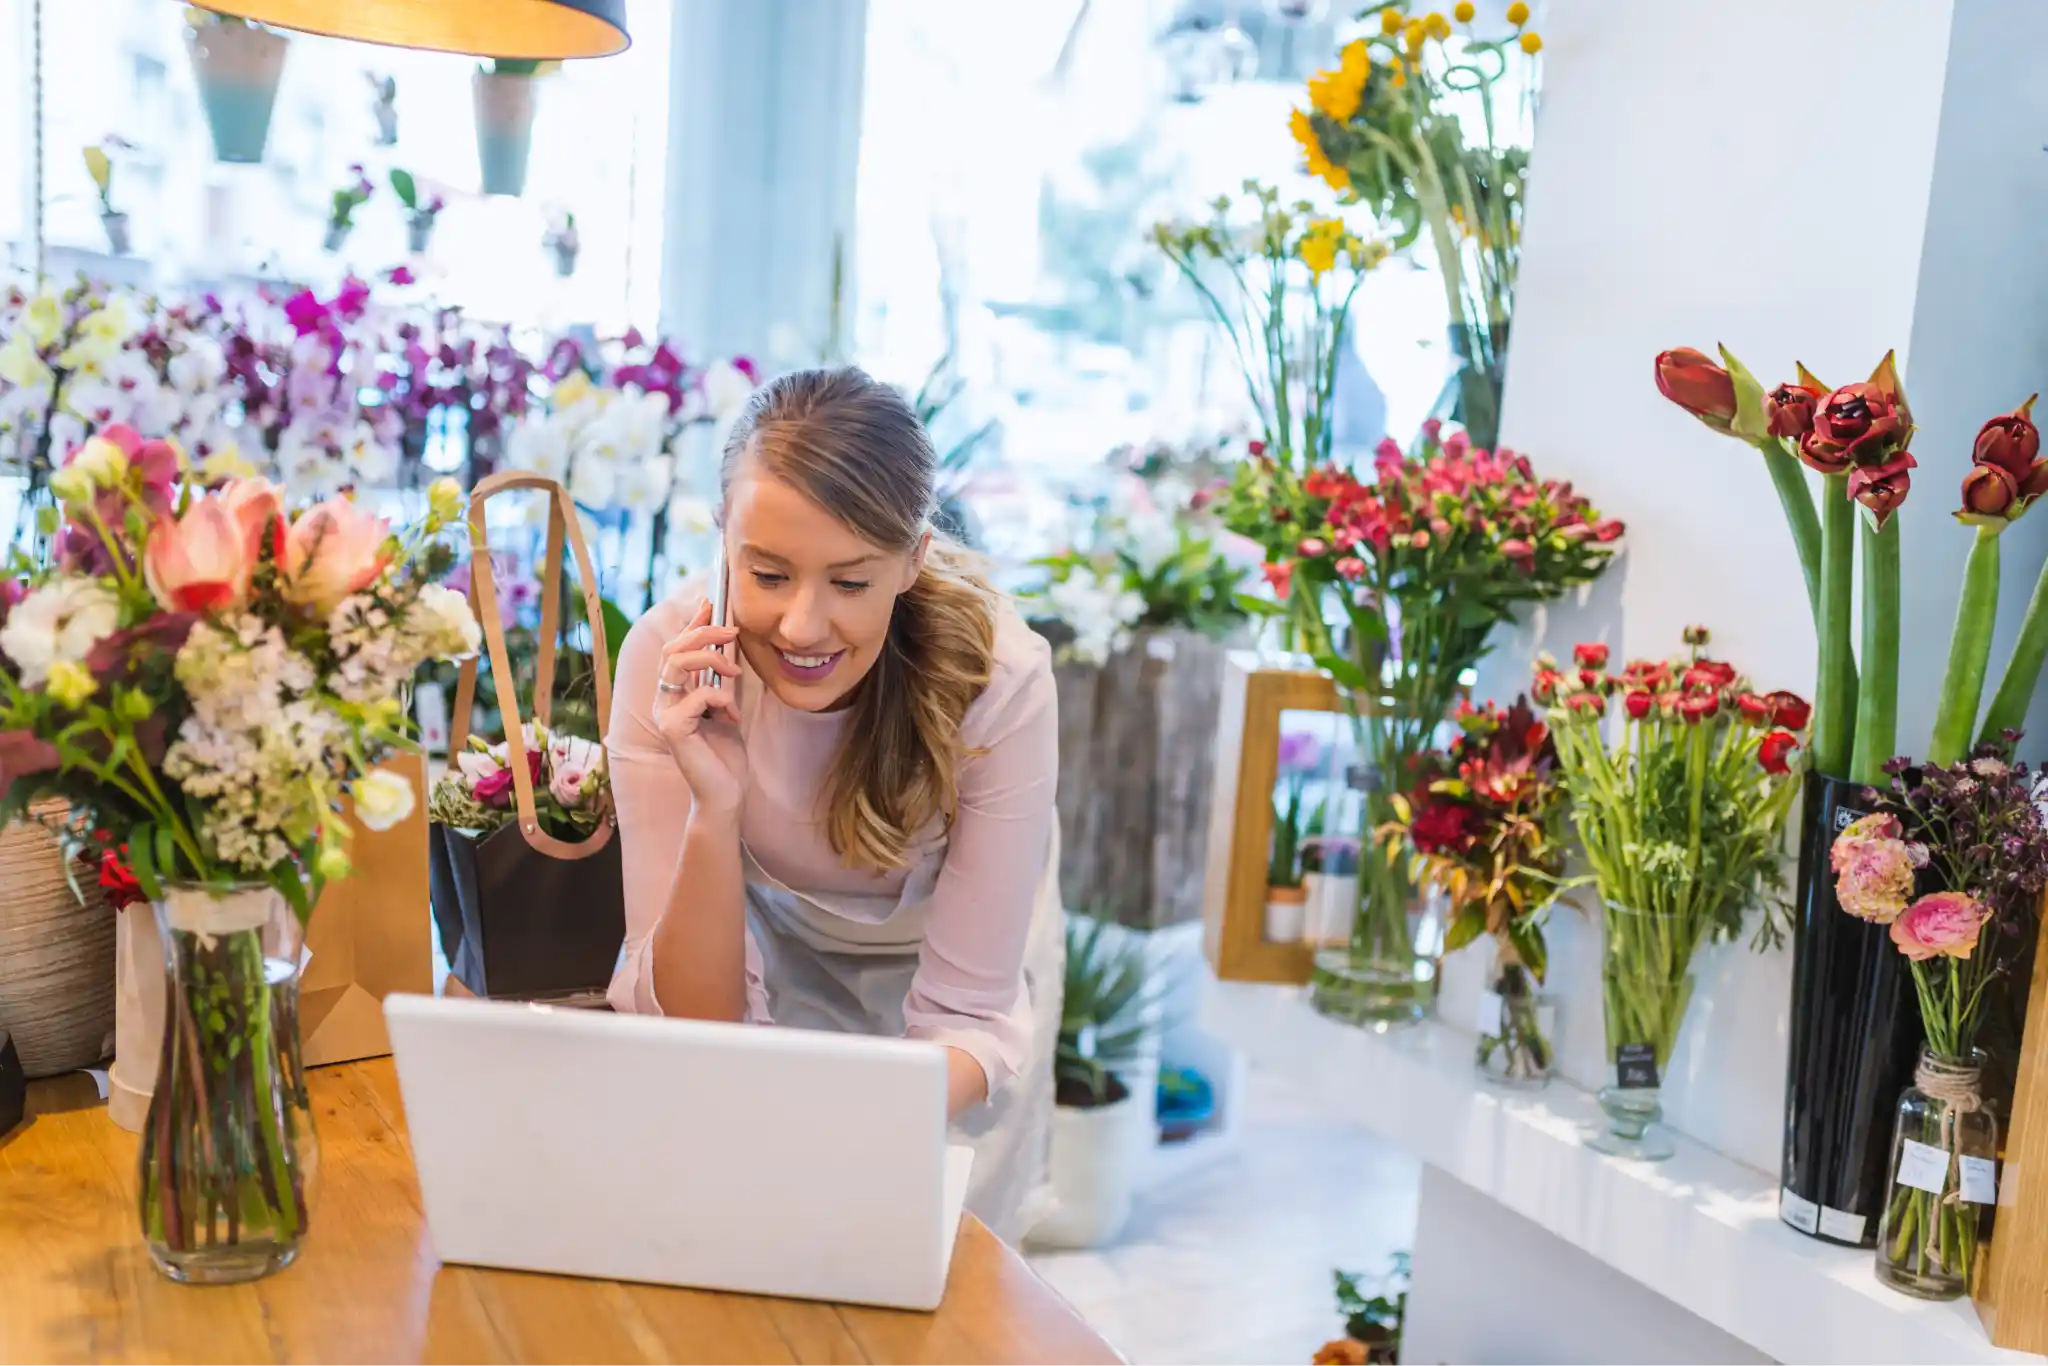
{"x":701,"y":723}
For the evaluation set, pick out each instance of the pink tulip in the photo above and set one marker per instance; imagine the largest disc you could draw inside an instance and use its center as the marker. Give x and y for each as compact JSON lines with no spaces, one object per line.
{"x":1940,"y":923}
{"x":333,"y":550}
{"x":199,"y":562}
{"x":257,"y":507}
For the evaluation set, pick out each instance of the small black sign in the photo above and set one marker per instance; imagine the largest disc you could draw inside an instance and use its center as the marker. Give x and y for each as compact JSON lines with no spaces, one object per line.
{"x":1360,"y":778}
{"x":1635,"y":1067}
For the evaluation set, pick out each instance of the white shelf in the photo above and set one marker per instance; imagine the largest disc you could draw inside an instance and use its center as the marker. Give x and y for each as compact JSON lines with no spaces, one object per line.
{"x":1701,"y":1229}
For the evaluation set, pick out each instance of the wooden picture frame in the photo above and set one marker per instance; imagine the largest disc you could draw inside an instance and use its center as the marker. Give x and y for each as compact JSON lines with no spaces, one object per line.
{"x":2010,"y":1285}
{"x":1241,"y":819}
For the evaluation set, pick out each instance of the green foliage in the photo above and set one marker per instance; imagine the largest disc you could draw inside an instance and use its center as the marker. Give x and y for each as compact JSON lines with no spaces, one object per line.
{"x":1377,"y":1317}
{"x":402,"y":185}
{"x":1110,"y":992}
{"x":1191,"y":585}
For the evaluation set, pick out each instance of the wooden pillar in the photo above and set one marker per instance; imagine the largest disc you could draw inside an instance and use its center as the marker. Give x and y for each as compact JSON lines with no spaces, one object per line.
{"x":2011,"y":1288}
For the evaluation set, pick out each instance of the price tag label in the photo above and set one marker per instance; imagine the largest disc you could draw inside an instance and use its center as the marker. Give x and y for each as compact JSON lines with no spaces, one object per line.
{"x":1922,"y":1167}
{"x":1798,"y":1211}
{"x":1490,"y":1016}
{"x":1635,"y":1067}
{"x":1980,"y":1180}
{"x":1841,"y":1225}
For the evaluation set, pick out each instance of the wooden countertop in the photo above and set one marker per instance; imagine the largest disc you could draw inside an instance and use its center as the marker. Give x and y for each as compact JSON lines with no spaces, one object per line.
{"x":76,"y":1283}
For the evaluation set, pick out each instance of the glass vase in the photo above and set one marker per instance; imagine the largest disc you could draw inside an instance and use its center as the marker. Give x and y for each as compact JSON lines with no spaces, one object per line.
{"x":1944,"y":1173}
{"x":1645,"y":984}
{"x":1515,"y":1047}
{"x":228,"y":1150}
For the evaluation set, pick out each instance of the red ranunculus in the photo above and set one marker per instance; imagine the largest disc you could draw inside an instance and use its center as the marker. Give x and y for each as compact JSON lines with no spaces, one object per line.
{"x":1697,"y":707}
{"x":1590,"y":702}
{"x":1256,"y":447}
{"x":1692,"y":381}
{"x":1774,"y":751}
{"x":1755,"y":710}
{"x":1882,"y":488}
{"x":1789,"y":409}
{"x":1639,"y":705}
{"x":1789,"y":710}
{"x":1591,"y":654}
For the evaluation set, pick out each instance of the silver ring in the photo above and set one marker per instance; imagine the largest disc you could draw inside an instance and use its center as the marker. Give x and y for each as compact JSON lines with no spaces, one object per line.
{"x":666,"y":686}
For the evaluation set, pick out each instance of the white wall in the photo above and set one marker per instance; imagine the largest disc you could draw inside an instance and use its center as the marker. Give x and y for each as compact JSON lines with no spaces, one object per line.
{"x":1811,"y":182}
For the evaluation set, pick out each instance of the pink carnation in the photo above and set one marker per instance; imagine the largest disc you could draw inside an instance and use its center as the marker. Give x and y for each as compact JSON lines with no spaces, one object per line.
{"x":1874,"y":868}
{"x":1940,"y":923}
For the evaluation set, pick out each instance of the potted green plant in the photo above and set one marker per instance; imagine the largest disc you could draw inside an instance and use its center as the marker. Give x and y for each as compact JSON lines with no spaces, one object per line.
{"x":1103,"y":1072}
{"x":1372,"y":1323}
{"x":341,"y":212}
{"x":100,"y":167}
{"x":237,"y":65}
{"x":504,"y":91}
{"x":421,"y":213}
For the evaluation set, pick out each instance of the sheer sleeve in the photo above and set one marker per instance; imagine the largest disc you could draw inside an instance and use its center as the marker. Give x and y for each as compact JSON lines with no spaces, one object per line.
{"x":653,"y":804}
{"x":968,"y":991}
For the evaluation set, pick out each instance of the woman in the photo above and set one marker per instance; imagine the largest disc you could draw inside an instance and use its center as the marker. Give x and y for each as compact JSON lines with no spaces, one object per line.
{"x":855,"y":831}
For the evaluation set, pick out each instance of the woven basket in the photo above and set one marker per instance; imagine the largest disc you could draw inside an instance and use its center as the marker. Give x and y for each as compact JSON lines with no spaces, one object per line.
{"x":56,"y":956}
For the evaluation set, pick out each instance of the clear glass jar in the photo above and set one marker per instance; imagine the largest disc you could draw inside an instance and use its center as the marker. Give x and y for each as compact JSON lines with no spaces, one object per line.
{"x":1515,"y":1045}
{"x":1944,"y":1172}
{"x":229,"y":1156}
{"x":1645,"y":984}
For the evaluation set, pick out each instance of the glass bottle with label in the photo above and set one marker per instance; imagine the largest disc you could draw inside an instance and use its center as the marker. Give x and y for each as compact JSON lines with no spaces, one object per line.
{"x":1944,"y":1173}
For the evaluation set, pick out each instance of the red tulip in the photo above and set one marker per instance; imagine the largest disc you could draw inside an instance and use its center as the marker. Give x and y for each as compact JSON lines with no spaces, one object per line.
{"x":1774,"y":750}
{"x":1590,"y":654}
{"x":1789,"y":710}
{"x":1692,"y":381}
{"x":1639,"y":705}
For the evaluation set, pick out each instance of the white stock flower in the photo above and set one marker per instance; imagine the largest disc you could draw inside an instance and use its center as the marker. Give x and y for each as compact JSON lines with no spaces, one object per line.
{"x":59,"y":622}
{"x":382,"y":798}
{"x":1100,"y":613}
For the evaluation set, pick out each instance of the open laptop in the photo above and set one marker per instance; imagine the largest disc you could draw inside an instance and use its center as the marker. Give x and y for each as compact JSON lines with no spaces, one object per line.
{"x":723,"y":1157}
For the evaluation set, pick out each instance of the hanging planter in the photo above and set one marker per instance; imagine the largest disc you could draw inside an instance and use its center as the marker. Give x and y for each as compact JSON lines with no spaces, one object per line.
{"x":564,"y":242}
{"x":505,"y":104}
{"x":237,"y":66}
{"x":420,"y":213}
{"x":341,"y":215}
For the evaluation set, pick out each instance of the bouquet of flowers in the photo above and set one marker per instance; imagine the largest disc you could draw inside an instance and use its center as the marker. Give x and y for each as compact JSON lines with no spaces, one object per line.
{"x":1680,"y":811}
{"x":571,"y":787}
{"x":204,"y":679}
{"x":1485,"y":819}
{"x":1972,"y":831}
{"x":1382,"y":129}
{"x":1423,"y":559}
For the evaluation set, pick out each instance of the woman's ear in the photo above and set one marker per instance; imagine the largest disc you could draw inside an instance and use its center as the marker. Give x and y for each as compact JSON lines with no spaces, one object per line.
{"x":917,"y":557}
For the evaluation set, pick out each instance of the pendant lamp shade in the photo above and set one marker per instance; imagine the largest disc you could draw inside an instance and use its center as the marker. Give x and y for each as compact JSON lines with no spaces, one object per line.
{"x":547,"y":30}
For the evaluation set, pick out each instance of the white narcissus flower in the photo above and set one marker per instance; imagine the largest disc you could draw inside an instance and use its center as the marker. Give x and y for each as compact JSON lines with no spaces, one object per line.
{"x":59,"y":622}
{"x":382,"y":798}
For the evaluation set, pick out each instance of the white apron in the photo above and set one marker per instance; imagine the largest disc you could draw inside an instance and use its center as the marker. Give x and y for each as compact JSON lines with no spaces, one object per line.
{"x":844,"y":962}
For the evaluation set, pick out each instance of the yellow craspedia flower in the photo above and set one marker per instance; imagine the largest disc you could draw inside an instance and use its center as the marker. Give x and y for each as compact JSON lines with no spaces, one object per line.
{"x":1318,"y":162}
{"x":1463,"y":11}
{"x":1414,"y":35}
{"x":1390,"y":21}
{"x":1320,"y":244}
{"x":1531,"y":44}
{"x":1436,"y":25}
{"x":1518,"y":13}
{"x":1335,"y":94}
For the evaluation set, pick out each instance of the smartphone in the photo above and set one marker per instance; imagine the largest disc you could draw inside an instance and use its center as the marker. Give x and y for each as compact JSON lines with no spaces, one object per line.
{"x":721,"y":589}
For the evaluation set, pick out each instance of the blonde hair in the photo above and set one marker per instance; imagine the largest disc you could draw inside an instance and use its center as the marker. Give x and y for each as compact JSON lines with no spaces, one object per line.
{"x":855,"y":447}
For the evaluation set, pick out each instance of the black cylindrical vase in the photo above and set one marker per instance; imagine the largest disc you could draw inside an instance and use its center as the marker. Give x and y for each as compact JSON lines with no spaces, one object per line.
{"x":1855,"y":1032}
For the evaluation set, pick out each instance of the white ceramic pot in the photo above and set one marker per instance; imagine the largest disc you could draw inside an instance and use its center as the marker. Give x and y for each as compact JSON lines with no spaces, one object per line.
{"x":1286,"y":914}
{"x":1332,"y":908}
{"x":1097,"y":1154}
{"x":138,"y":1016}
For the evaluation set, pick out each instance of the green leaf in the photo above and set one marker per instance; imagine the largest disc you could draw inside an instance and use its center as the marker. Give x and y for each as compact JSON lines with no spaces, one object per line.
{"x":166,"y":852}
{"x":1464,"y":930}
{"x":1526,"y":934}
{"x":616,"y":625}
{"x":292,"y":887}
{"x":142,"y":862}
{"x":1347,"y":674}
{"x":402,"y":184}
{"x":1258,"y":607}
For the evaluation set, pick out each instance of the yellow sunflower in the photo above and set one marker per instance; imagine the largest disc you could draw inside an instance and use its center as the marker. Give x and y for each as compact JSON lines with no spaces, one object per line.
{"x":1319,"y":163}
{"x":1334,"y":93}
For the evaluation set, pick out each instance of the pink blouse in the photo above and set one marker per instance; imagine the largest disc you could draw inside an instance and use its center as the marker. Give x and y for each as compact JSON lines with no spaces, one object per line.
{"x":983,"y":872}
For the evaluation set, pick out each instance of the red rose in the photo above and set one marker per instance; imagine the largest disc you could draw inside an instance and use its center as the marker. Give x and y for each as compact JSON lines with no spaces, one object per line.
{"x":1639,"y":705}
{"x":1692,"y":381}
{"x":1590,"y":654}
{"x":1754,"y":709}
{"x":1989,"y":490}
{"x":1789,"y":409}
{"x":1789,"y":710}
{"x":2010,"y":442}
{"x":1772,"y":753}
{"x":1697,"y":707}
{"x":1860,"y":422}
{"x":1881,"y":488}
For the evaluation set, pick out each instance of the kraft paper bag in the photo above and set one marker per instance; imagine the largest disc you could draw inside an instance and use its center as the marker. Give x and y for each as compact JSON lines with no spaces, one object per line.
{"x":370,"y":934}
